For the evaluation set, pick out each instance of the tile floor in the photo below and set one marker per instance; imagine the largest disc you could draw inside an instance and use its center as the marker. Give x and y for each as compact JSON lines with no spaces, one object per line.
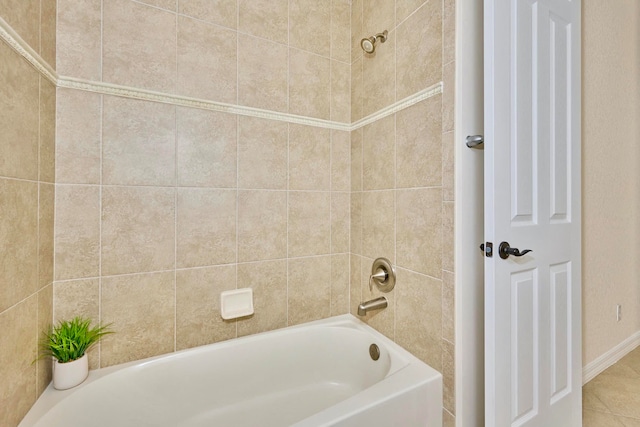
{"x":612,"y":399}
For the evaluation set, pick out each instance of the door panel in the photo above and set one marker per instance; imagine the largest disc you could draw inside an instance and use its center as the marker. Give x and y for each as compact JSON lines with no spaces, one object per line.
{"x":523,"y":171}
{"x":532,"y":201}
{"x":525,"y":344}
{"x":560,"y":303}
{"x":560,"y":118}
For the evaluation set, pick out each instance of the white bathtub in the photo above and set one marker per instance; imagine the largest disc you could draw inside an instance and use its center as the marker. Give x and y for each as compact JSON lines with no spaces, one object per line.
{"x":316,"y":374}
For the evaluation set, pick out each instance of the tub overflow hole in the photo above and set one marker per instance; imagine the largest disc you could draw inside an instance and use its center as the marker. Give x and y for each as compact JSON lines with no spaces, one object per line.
{"x":374,"y":352}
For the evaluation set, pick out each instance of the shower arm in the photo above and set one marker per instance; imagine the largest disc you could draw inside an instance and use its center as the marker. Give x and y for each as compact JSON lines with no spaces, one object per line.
{"x":381,"y":36}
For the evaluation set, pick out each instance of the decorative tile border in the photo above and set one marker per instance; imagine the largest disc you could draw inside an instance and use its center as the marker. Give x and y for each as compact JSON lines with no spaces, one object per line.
{"x":183,"y":101}
{"x":9,"y":36}
{"x":15,"y":42}
{"x":399,"y":105}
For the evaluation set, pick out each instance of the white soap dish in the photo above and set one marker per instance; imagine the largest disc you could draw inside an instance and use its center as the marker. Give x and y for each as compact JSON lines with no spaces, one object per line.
{"x":236,"y":303}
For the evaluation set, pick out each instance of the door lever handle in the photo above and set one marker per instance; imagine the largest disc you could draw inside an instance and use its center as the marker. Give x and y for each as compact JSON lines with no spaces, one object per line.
{"x":505,"y":250}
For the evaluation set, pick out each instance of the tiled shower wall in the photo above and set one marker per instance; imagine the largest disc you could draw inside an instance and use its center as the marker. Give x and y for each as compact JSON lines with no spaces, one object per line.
{"x":27,"y":123}
{"x":160,"y":207}
{"x":402,"y":169}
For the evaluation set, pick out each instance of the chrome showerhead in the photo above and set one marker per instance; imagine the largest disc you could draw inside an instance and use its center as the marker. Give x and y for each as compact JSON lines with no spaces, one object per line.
{"x":369,"y":44}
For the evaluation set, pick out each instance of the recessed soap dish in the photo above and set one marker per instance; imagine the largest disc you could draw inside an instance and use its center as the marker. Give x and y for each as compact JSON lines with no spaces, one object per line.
{"x":236,"y":303}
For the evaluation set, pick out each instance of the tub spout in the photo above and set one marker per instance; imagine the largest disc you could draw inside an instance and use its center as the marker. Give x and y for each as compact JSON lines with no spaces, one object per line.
{"x":374,"y":304}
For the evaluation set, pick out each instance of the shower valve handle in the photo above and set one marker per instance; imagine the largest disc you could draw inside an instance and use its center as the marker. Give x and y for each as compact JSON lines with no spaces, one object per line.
{"x":380,"y":275}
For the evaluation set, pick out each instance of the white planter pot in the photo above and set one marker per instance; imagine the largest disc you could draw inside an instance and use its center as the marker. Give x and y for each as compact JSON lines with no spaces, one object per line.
{"x":70,"y":374}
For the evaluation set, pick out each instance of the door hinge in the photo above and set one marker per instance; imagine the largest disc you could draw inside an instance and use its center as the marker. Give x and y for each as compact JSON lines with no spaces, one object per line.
{"x":487,"y":248}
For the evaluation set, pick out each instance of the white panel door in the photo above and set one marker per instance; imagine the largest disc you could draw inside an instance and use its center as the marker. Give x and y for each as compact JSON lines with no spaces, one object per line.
{"x":532,"y":201}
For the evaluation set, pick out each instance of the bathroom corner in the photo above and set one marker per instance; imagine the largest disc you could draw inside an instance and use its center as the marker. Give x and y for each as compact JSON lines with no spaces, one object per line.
{"x":402,"y":176}
{"x":27,"y":150}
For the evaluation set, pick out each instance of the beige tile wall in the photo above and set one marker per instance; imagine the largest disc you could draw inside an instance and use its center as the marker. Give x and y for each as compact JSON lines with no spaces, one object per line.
{"x":288,"y":56}
{"x":173,"y":205}
{"x":35,"y":22}
{"x":165,"y":207}
{"x":402,"y":195}
{"x":160,"y":208}
{"x":27,"y":120}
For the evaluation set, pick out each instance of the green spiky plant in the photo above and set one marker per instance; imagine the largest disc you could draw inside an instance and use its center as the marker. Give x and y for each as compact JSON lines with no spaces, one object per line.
{"x":71,"y":339}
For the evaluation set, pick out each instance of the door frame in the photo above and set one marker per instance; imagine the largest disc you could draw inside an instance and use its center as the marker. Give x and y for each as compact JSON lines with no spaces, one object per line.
{"x":469,"y":215}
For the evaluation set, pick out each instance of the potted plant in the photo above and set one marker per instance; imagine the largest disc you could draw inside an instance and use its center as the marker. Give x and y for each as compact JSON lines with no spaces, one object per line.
{"x":68,"y":343}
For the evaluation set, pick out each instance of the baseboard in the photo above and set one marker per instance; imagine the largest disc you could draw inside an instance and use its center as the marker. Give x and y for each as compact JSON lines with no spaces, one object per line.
{"x":594,"y":368}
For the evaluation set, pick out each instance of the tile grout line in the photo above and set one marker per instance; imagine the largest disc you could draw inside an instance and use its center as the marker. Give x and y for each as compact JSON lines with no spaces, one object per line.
{"x":330,"y":56}
{"x":175,"y":270}
{"x":395,"y":168}
{"x":361,"y":182}
{"x":330,"y":159}
{"x":288,"y":68}
{"x":288,"y":156}
{"x":40,"y":28}
{"x":287,"y":217}
{"x":53,"y":237}
{"x":333,"y":215}
{"x":100,"y":208}
{"x":442,"y":220}
{"x":37,"y":316}
{"x":100,"y":188}
{"x":395,"y":214}
{"x":101,"y":41}
{"x":175,"y":194}
{"x":257,"y":261}
{"x":194,"y":188}
{"x":11,"y":178}
{"x":237,"y":152}
{"x":175,"y":203}
{"x":349,"y":273}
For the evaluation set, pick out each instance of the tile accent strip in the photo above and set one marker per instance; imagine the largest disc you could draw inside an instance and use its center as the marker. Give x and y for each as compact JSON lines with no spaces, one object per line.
{"x":165,"y":98}
{"x":399,"y":105}
{"x":9,"y":36}
{"x":15,"y":42}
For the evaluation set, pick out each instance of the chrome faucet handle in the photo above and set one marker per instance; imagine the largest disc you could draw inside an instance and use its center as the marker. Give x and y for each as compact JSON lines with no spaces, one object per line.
{"x":380,"y":275}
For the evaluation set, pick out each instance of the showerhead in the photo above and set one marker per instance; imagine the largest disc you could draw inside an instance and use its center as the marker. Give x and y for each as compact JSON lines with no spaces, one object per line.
{"x":369,"y":44}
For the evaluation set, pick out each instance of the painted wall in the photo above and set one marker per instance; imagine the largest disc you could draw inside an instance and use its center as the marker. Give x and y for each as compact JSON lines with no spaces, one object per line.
{"x":402,"y":200}
{"x":611,"y":173}
{"x":159,"y":207}
{"x":27,"y":121}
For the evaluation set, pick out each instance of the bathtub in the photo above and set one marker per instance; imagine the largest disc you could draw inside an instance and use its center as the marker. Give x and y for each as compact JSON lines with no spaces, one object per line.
{"x":317,"y":374}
